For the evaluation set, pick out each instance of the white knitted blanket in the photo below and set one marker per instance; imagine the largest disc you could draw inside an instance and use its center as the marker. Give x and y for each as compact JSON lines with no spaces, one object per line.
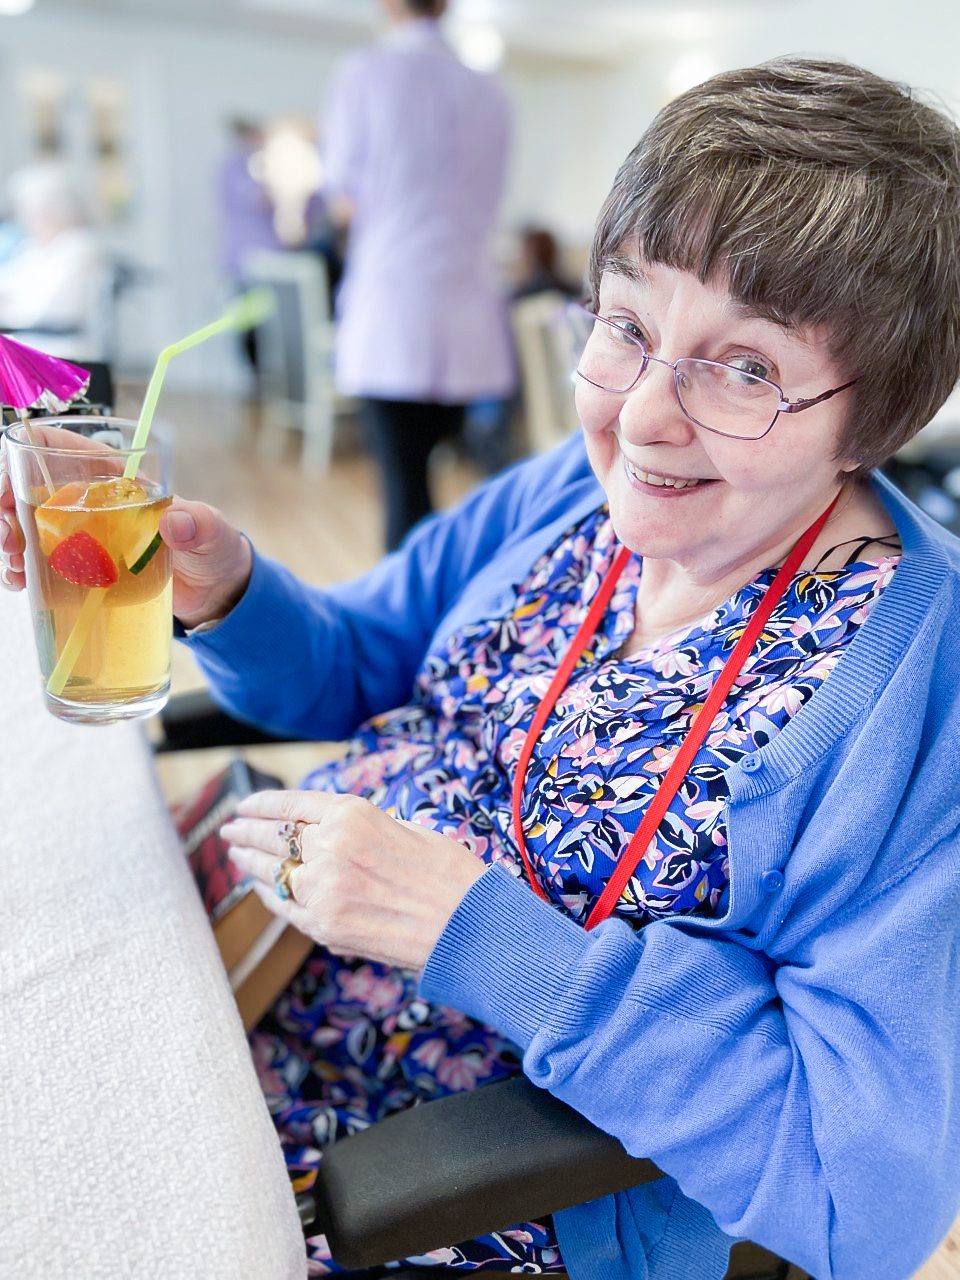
{"x":134,"y":1139}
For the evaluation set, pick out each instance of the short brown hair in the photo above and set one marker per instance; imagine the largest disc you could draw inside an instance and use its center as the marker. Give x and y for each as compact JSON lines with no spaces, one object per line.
{"x":821,"y":194}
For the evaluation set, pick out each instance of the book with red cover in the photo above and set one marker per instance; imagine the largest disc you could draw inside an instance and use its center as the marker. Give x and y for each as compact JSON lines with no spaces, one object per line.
{"x":260,"y":952}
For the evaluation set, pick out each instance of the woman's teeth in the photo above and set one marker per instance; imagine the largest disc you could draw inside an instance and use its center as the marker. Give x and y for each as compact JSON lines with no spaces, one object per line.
{"x":650,"y":477}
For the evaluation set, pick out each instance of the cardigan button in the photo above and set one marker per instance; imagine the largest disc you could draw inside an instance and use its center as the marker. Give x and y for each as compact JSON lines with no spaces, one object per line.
{"x":772,"y":881}
{"x":751,"y":763}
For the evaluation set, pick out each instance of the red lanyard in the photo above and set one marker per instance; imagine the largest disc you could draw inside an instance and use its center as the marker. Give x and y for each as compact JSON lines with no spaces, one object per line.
{"x":698,"y":730}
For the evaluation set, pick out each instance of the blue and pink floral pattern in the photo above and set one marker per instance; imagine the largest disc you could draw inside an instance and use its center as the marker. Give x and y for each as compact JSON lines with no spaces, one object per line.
{"x":350,"y":1041}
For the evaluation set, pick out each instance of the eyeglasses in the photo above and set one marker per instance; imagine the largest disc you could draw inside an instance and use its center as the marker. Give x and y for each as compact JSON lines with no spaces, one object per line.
{"x":718,"y":397}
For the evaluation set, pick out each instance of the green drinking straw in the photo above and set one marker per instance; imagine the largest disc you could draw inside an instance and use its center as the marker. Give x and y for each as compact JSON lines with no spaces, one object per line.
{"x":250,"y":309}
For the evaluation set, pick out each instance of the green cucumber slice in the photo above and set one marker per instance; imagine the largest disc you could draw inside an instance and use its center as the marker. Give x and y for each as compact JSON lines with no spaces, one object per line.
{"x":141,"y":540}
{"x":149,"y":551}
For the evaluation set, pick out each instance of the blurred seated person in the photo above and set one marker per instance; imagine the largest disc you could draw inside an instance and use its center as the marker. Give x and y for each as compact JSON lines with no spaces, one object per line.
{"x":539,"y":266}
{"x":49,"y":285}
{"x":650,"y":780}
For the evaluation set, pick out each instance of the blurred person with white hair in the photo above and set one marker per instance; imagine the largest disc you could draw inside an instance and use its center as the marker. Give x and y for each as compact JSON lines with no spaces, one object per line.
{"x":49,"y":284}
{"x":415,"y":156}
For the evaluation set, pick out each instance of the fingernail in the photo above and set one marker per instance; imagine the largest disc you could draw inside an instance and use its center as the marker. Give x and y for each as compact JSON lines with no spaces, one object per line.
{"x":181,"y":526}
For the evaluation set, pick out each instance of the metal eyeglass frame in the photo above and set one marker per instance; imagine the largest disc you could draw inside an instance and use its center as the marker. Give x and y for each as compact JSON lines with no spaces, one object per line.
{"x":783,"y":406}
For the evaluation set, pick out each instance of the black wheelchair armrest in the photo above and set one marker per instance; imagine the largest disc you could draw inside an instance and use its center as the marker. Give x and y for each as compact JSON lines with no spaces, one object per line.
{"x":192,"y":721}
{"x":460,"y":1167}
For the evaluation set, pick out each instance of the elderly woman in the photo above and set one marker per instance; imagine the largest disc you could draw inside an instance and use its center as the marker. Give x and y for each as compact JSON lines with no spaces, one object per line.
{"x":651,"y":781}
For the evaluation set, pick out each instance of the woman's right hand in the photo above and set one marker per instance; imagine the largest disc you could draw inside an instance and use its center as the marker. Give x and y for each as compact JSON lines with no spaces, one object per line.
{"x":211,"y":559}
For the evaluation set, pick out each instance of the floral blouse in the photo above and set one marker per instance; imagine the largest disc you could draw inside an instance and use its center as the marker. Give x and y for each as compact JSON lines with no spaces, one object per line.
{"x":448,"y":758}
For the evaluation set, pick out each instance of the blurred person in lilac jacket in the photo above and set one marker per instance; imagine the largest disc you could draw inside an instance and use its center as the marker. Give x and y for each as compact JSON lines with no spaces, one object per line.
{"x":246,"y":215}
{"x":416,"y":149}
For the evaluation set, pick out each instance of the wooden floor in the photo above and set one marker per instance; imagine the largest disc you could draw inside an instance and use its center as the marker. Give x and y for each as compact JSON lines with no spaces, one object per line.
{"x":326,"y":527}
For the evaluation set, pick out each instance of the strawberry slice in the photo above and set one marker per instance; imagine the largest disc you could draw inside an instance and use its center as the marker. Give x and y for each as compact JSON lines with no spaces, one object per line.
{"x":84,"y":561}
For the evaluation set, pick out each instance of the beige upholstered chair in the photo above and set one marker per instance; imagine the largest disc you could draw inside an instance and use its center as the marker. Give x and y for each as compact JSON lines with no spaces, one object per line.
{"x":546,"y":379}
{"x":296,"y":352}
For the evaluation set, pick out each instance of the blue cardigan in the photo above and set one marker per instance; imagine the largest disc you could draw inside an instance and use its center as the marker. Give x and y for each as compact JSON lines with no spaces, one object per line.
{"x":817,"y":1017}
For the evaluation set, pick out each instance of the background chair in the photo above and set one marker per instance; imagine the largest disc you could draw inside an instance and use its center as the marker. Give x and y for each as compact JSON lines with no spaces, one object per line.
{"x":549,"y":413}
{"x":100,"y":393}
{"x":931,"y":477}
{"x":97,"y":337}
{"x":927,"y":468}
{"x":99,"y":398}
{"x":458,"y":1167}
{"x":295,"y":351}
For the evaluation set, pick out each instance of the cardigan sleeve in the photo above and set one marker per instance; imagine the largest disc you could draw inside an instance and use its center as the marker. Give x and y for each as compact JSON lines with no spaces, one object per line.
{"x":317,"y":662}
{"x":809,"y":1105}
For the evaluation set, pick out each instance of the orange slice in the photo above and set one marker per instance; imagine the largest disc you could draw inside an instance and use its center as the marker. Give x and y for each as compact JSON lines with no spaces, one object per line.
{"x":80,"y":506}
{"x":60,"y":515}
{"x":131,"y":529}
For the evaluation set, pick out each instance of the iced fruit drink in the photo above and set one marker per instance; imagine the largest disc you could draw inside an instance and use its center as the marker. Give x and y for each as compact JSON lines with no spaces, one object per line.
{"x":101,"y":536}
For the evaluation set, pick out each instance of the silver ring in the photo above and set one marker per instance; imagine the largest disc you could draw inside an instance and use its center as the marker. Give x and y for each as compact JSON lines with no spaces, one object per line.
{"x":292,"y":834}
{"x":282,"y":871}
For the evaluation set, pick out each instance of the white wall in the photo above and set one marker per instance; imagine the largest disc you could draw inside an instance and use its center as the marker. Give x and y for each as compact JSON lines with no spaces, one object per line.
{"x":917,"y":43}
{"x":559,"y":173}
{"x":183,"y":85}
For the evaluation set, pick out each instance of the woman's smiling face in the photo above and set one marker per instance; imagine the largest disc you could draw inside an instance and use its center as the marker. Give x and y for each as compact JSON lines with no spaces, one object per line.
{"x":750,"y":494}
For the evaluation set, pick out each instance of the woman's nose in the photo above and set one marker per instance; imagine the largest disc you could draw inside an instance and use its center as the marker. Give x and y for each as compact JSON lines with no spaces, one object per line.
{"x":651,"y":411}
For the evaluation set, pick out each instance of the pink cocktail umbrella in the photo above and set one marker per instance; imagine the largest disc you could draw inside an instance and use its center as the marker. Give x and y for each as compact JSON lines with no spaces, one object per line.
{"x":31,"y":379}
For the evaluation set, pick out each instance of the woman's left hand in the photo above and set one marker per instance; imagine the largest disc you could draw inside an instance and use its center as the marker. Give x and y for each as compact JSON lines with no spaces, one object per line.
{"x":369,"y":885}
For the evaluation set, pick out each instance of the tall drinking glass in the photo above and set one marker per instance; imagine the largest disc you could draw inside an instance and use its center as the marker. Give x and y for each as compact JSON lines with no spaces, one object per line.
{"x":98,"y":573}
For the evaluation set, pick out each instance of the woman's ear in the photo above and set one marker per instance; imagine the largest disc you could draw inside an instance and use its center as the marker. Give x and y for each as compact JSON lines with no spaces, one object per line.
{"x":847,"y":465}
